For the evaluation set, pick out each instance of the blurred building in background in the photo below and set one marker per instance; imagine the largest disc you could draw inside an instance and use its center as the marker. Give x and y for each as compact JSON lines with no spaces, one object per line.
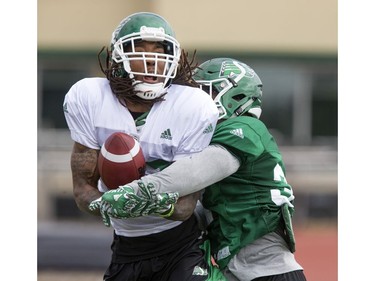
{"x":292,"y":45}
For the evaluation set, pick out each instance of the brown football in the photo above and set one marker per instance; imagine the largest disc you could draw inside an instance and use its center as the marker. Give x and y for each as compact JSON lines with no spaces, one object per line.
{"x":121,"y":160}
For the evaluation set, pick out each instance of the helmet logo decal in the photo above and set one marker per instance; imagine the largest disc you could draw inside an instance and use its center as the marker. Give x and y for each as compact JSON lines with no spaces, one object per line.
{"x":229,"y":69}
{"x":152,"y":33}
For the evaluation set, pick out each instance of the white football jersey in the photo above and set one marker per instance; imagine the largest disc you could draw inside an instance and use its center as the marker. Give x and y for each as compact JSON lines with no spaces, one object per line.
{"x":177,"y":127}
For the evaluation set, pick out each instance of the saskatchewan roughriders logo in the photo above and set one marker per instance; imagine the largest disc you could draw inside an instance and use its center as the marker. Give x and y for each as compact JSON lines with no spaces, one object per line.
{"x":232,"y":69}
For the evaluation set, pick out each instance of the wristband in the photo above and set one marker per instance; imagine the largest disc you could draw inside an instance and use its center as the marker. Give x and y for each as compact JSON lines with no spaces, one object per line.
{"x":168,"y":213}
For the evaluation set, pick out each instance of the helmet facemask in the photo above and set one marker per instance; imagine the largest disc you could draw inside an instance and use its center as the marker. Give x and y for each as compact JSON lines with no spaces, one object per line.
{"x":211,"y":87}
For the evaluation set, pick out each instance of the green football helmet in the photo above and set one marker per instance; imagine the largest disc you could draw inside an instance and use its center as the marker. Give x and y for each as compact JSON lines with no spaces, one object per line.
{"x":234,"y":86}
{"x":147,"y":27}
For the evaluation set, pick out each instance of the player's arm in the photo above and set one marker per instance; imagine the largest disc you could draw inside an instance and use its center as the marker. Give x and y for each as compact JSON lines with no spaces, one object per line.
{"x":185,"y":206}
{"x":204,"y":168}
{"x":191,"y":174}
{"x":85,"y":176}
{"x":186,"y":176}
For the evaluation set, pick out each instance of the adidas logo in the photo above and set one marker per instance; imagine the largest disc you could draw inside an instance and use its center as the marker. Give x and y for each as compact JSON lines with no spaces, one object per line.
{"x":209,"y":129}
{"x":237,"y":132}
{"x":166,"y":135}
{"x":199,"y":271}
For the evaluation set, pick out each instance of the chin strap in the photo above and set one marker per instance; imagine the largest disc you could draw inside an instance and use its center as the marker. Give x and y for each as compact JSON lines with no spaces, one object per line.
{"x":149,"y":91}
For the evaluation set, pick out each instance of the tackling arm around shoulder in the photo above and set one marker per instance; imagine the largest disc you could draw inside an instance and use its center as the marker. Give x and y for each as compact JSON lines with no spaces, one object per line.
{"x":191,"y":174}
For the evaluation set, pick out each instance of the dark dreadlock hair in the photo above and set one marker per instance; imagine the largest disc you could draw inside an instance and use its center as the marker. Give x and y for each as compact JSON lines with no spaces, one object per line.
{"x":123,"y":88}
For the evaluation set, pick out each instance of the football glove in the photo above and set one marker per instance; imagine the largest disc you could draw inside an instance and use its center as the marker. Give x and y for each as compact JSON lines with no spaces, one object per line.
{"x":111,"y":203}
{"x":103,"y":208}
{"x":145,"y":202}
{"x":124,"y":203}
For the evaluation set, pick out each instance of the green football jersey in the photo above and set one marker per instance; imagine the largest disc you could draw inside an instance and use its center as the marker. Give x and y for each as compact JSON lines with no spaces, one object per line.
{"x":246,"y":205}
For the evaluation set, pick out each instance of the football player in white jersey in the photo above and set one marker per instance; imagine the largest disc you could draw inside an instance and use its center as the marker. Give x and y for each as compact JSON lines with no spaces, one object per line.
{"x":249,"y":200}
{"x":148,"y":92}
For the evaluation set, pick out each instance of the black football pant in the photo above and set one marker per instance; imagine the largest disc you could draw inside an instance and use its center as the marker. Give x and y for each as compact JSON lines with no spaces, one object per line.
{"x":187,"y":264}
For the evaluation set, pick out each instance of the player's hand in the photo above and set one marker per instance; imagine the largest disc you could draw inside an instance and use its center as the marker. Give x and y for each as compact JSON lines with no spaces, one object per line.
{"x":147,"y":202}
{"x":103,"y":208}
{"x":161,"y":202}
{"x":124,"y":203}
{"x":113,"y":203}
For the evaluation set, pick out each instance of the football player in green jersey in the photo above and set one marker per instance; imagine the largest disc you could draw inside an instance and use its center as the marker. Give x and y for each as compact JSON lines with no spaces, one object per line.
{"x":248,"y":201}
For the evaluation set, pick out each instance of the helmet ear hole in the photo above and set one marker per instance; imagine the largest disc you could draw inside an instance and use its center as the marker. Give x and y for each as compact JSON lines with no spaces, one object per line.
{"x":239,"y":97}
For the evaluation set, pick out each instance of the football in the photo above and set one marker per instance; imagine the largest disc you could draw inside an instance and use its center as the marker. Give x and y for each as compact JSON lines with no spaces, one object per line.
{"x":121,"y":160}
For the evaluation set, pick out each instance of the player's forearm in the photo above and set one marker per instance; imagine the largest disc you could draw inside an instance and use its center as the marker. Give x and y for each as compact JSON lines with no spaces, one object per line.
{"x":185,"y":206}
{"x":84,"y":195}
{"x":191,"y":174}
{"x":85,"y":176}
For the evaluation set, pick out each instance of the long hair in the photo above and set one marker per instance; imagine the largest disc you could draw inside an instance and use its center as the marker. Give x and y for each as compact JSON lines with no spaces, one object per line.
{"x":122,"y":85}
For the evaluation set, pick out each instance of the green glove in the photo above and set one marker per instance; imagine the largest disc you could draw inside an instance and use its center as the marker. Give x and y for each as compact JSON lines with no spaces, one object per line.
{"x":124,"y":203}
{"x":145,"y":202}
{"x":112,"y":202}
{"x":162,"y":203}
{"x":104,"y":209}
